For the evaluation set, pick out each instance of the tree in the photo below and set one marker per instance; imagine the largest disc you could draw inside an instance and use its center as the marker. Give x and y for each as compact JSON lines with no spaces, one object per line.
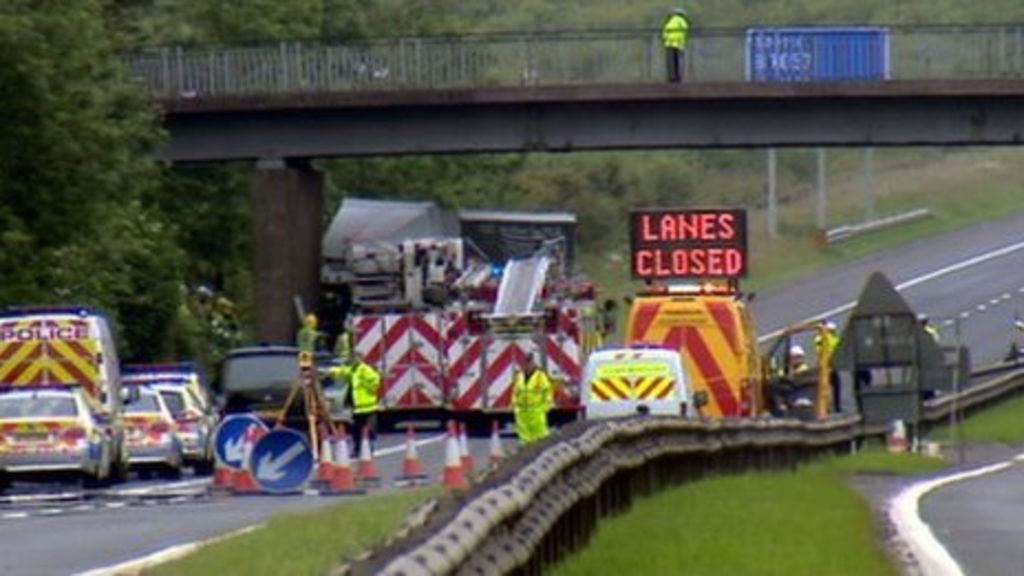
{"x":77,"y":146}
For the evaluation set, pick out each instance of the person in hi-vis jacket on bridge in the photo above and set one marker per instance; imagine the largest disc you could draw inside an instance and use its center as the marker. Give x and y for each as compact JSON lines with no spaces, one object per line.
{"x":674,"y":35}
{"x":532,"y":399}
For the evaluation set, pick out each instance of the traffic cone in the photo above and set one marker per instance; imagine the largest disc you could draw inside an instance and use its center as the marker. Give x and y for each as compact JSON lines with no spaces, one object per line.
{"x":467,"y":458}
{"x":496,"y":454}
{"x":244,"y":482}
{"x":412,"y":469}
{"x":325,"y":470}
{"x":454,"y":475}
{"x":897,"y":437}
{"x":367,"y":468}
{"x":222,"y":476}
{"x":342,"y":479}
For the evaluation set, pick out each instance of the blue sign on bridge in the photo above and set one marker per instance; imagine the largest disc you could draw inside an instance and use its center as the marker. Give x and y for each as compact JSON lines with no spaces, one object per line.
{"x":817,"y":54}
{"x":282,"y":461}
{"x":229,"y":439}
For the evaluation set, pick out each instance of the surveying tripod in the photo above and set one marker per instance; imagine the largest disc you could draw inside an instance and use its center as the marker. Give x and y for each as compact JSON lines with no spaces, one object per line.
{"x":317,"y":410}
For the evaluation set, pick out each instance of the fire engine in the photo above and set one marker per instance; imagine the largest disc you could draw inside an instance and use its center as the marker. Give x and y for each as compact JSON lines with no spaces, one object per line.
{"x":447,"y":306}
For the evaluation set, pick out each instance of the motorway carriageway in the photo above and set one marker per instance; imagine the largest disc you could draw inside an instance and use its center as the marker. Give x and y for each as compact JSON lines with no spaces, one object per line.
{"x":960,"y":277}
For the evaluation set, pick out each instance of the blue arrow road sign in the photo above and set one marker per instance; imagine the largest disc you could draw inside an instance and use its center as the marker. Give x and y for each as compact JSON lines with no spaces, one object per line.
{"x":282,"y":461}
{"x":229,"y":439}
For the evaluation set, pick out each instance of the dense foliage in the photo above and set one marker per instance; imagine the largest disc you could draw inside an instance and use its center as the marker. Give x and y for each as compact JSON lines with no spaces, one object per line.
{"x":87,"y":215}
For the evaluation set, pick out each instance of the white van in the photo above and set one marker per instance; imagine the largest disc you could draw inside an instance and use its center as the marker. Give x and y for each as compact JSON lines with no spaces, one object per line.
{"x":628,"y":381}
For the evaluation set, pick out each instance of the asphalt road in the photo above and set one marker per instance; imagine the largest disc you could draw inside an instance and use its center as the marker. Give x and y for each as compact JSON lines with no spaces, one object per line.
{"x":70,"y":538}
{"x":979,"y":522}
{"x":983,"y":298}
{"x":70,"y":543}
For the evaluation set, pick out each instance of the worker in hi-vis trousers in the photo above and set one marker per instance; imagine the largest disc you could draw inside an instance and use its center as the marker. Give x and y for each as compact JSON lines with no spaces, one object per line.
{"x":532,"y":399}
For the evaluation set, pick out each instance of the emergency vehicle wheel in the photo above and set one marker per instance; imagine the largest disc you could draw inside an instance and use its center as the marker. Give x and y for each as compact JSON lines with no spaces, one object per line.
{"x":202,"y":467}
{"x":5,"y":482}
{"x":171,"y":473}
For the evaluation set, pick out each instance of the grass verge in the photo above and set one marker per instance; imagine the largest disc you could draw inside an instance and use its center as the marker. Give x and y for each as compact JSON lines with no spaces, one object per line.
{"x":787,"y":523}
{"x":304,"y":543}
{"x":1003,"y":423}
{"x":877,"y":460}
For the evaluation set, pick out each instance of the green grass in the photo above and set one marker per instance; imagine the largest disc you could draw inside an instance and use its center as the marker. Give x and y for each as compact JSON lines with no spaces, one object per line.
{"x":876,"y":460}
{"x":304,"y":543}
{"x":801,"y":523}
{"x":1003,"y":423}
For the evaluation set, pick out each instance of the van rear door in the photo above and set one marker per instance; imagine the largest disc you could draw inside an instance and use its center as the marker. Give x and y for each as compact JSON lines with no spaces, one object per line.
{"x":622,"y":383}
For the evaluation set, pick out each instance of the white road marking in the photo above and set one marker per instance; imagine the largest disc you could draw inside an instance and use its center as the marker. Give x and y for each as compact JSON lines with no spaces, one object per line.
{"x":932,"y":557}
{"x":981,"y":308}
{"x":994,"y":301}
{"x":1006,"y":296}
{"x":400,"y":449}
{"x":949,"y":322}
{"x":965,"y":314}
{"x":981,"y":258}
{"x":24,"y":498}
{"x":50,"y":511}
{"x":14,"y":515}
{"x":115,"y":505}
{"x":139,"y":565}
{"x":158,"y":488}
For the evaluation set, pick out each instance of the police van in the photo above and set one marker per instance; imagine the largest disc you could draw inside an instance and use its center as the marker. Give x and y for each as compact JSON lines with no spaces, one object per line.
{"x":628,"y":381}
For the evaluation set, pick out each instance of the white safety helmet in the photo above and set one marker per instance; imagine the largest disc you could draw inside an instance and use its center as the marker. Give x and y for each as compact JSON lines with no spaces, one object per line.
{"x":796,"y":350}
{"x":830,"y":325}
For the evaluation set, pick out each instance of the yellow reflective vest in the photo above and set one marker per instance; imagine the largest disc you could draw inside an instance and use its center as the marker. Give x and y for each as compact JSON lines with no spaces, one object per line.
{"x":675,"y":31}
{"x":533,"y":393}
{"x":826,"y":345}
{"x":365,"y":382}
{"x":343,"y":346}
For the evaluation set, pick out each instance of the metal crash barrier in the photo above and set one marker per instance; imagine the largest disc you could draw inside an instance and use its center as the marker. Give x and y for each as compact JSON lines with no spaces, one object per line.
{"x":545,"y":502}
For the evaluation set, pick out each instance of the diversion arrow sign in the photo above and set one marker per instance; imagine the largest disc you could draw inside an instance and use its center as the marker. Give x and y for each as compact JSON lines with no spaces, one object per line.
{"x":229,"y":439}
{"x":281,"y":461}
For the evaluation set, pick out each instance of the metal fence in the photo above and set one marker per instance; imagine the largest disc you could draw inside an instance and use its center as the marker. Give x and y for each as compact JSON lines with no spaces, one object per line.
{"x":611,"y":57}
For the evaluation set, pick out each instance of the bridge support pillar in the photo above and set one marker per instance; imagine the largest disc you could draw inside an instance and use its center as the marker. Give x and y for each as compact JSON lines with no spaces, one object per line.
{"x":287,"y":210}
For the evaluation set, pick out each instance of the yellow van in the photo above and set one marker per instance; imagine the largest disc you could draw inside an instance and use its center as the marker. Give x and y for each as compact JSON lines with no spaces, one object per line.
{"x":712,"y":329}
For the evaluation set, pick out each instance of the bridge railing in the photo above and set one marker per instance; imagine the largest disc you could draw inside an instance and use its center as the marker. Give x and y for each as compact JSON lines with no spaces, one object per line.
{"x":541,"y":59}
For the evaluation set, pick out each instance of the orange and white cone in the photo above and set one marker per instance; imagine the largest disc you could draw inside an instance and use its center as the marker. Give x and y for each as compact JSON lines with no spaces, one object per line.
{"x":342,"y":479}
{"x":496,"y":453}
{"x":897,"y":437}
{"x":454,"y":475}
{"x":412,"y":468}
{"x":244,"y":482}
{"x":467,"y":458}
{"x":325,"y":470}
{"x":367,"y":467}
{"x":222,"y":476}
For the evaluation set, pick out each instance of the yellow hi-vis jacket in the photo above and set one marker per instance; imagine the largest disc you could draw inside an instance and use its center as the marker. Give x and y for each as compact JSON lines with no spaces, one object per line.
{"x":532,"y":394}
{"x":365,"y":382}
{"x":826,"y":345}
{"x":675,"y":31}
{"x":343,"y":346}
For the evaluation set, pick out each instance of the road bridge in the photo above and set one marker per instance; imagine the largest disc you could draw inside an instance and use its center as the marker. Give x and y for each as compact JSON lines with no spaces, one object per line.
{"x":281,"y":105}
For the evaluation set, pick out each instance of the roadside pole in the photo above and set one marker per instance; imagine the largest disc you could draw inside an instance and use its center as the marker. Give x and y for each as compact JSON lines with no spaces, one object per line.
{"x":822,"y":190}
{"x":773,"y":224}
